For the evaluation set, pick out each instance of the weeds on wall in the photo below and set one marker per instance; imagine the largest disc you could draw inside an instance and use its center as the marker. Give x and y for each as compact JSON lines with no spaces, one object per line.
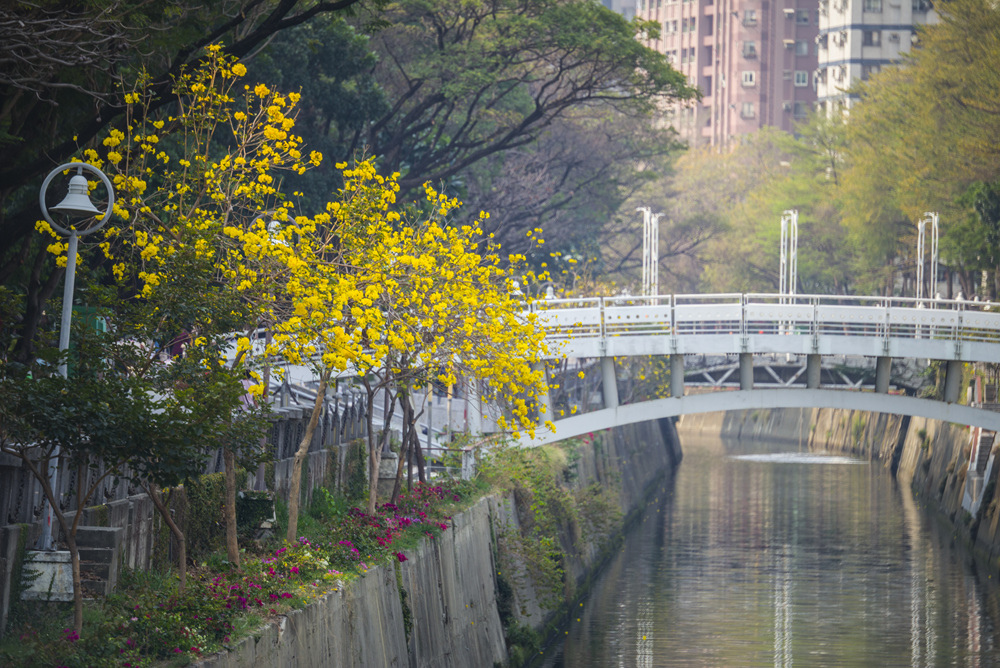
{"x":551,"y":514}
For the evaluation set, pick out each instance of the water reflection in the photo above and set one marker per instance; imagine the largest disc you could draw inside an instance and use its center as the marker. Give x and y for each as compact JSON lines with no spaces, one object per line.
{"x":771,"y":558}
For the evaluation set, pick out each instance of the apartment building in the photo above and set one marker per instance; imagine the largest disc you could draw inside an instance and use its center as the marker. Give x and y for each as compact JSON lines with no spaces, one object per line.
{"x":857,"y":38}
{"x":624,"y":7}
{"x":754,"y":61}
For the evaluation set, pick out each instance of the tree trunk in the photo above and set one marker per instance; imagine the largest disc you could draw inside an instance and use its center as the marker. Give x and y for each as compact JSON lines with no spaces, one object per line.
{"x":161,"y":506}
{"x":300,"y":455}
{"x":419,"y":453}
{"x":374,"y":451}
{"x":404,"y":451}
{"x":232,"y":542}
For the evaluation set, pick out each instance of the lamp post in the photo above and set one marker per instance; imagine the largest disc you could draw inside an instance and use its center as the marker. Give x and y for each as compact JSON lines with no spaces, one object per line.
{"x":930,"y":217}
{"x":76,"y":204}
{"x":650,"y":251}
{"x":789,"y":254}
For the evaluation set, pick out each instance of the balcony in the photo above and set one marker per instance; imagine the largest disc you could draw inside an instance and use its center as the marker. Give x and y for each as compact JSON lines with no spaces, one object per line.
{"x":749,"y":52}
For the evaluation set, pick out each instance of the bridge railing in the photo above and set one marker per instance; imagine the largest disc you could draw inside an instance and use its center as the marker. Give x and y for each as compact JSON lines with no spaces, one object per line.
{"x":773,"y":314}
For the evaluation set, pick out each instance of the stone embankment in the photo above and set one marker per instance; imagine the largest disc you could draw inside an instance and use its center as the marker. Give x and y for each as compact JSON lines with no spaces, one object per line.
{"x":933,"y":457}
{"x":440,"y":608}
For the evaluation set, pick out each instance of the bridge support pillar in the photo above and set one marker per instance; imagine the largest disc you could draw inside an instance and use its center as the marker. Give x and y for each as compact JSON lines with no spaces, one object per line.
{"x":883,"y":367}
{"x":677,"y":375}
{"x":608,"y":382}
{"x":746,"y":371}
{"x":544,"y":399}
{"x":813,"y":369}
{"x":952,"y":381}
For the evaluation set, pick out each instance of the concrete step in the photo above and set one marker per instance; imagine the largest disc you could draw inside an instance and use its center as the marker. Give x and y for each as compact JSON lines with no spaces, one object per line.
{"x":100,"y":555}
{"x":95,"y":571}
{"x":100,"y":537}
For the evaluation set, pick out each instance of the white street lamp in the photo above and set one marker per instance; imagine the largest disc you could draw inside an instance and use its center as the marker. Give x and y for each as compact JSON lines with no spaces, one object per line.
{"x":930,"y":217}
{"x":76,"y":204}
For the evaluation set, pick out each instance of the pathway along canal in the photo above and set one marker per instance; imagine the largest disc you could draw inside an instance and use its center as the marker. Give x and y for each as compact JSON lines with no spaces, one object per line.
{"x":776,"y":558}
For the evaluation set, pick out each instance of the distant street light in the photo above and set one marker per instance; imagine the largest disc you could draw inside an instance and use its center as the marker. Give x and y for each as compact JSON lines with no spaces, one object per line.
{"x":650,"y":251}
{"x":76,"y":204}
{"x":932,"y":218}
{"x":789,"y":255}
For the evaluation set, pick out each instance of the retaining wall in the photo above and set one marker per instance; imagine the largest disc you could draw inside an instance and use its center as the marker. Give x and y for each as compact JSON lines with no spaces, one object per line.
{"x":450,"y":582}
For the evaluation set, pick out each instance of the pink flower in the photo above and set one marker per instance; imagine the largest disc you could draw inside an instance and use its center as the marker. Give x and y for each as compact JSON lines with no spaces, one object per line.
{"x":401,"y":556}
{"x":295,"y":569}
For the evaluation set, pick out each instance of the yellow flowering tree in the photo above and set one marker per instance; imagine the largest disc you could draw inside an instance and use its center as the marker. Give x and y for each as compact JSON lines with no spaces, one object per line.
{"x":394,"y":303}
{"x":187,"y":249}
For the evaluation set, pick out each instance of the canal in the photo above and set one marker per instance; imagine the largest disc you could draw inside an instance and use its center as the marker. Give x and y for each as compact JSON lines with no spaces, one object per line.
{"x":771,"y":557}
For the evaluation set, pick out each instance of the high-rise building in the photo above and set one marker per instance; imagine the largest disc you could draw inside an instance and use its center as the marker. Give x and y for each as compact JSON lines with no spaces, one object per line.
{"x":754,"y":61}
{"x":623,"y":7}
{"x":859,"y":37}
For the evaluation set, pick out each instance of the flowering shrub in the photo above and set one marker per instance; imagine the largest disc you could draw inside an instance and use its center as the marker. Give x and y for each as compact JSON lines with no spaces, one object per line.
{"x":148,"y":621}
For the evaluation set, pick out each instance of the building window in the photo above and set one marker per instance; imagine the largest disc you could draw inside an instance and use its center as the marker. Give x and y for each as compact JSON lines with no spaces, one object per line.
{"x":786,"y":75}
{"x":707,"y":86}
{"x":749,"y":78}
{"x":692,"y":54}
{"x":693,"y":24}
{"x":673,"y":26}
{"x":871,"y":38}
{"x":801,"y":47}
{"x":709,"y":25}
{"x":801,"y":78}
{"x":868,"y":70}
{"x":749,"y":49}
{"x":747,"y":111}
{"x":750,"y":17}
{"x":874,"y":6}
{"x":684,"y":56}
{"x":800,"y":110}
{"x":922,"y":5}
{"x":684,"y":24}
{"x":802,"y":16}
{"x":822,"y":41}
{"x":708,"y":55}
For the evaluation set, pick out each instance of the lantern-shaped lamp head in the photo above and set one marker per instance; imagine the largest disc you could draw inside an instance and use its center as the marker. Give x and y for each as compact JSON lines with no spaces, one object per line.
{"x":77,"y":201}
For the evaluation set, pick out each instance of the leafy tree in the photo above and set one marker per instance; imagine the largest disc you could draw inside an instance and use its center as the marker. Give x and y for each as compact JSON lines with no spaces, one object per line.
{"x":923,"y":133}
{"x":101,"y":422}
{"x":181,"y":247}
{"x":464,"y":81}
{"x":392,"y":302}
{"x":571,"y":182}
{"x":60,"y":89}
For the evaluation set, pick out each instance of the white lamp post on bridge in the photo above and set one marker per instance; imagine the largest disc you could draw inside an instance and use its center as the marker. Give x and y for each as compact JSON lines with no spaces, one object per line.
{"x":930,"y":217}
{"x":650,"y":251}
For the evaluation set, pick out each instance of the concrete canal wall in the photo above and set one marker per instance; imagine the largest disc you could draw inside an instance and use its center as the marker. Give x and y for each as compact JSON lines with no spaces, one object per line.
{"x":447,"y":592}
{"x":931,"y":456}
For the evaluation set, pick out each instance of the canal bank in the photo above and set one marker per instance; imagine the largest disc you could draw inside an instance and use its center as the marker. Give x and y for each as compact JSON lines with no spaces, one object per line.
{"x":474,"y":596}
{"x":932,"y":457}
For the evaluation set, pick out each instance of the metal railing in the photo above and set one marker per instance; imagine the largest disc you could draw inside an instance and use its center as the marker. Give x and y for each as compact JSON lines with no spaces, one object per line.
{"x":764,"y":313}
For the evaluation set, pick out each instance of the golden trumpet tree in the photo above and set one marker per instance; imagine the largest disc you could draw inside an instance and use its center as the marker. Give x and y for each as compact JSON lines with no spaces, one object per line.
{"x":186,"y":251}
{"x":203,"y":243}
{"x":393,"y":301}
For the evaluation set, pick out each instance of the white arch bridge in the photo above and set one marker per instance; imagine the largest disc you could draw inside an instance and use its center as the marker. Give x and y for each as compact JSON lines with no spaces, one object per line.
{"x":754,"y":326}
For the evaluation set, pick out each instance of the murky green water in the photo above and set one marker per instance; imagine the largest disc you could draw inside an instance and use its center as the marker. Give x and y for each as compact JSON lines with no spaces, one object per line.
{"x":780,"y":559}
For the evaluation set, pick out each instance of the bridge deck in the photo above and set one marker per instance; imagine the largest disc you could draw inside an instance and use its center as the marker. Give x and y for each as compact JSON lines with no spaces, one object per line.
{"x":722,"y":324}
